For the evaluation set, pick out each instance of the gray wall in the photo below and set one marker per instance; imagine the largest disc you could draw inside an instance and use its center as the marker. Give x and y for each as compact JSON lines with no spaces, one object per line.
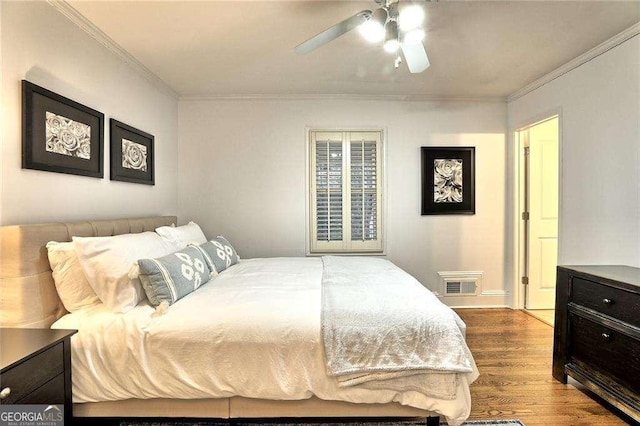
{"x":243,"y":175}
{"x":600,"y":155}
{"x":39,"y":44}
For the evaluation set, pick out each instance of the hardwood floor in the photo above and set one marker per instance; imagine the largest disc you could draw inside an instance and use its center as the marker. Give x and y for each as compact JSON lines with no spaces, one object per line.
{"x":513,"y":351}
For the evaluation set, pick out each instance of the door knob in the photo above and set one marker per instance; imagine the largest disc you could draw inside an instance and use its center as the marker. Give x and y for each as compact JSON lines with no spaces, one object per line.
{"x":5,"y":392}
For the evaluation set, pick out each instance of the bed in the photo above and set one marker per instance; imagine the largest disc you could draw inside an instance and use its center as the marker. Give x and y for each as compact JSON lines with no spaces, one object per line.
{"x":218,"y":324}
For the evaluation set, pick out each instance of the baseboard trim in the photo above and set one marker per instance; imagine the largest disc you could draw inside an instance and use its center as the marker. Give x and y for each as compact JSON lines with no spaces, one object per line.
{"x":479,"y":301}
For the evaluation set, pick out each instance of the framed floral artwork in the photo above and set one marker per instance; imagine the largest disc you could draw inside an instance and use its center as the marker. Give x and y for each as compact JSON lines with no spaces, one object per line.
{"x":448,"y":180}
{"x":131,"y":154}
{"x":59,"y":134}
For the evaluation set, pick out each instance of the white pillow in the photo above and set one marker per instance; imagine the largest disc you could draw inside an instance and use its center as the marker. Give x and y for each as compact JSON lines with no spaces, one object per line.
{"x":184,"y":235}
{"x":73,"y":288}
{"x":106,"y":262}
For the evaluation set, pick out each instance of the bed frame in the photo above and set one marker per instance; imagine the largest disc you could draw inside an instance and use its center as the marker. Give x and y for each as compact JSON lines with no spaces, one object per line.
{"x":29,"y":299}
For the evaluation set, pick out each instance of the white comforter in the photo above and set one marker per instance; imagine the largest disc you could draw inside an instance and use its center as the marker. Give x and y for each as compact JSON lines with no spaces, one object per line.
{"x":254,"y":331}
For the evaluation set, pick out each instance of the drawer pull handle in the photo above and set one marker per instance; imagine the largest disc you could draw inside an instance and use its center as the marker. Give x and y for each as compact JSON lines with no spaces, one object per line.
{"x":607,"y":301}
{"x":5,"y":393}
{"x":606,"y":337}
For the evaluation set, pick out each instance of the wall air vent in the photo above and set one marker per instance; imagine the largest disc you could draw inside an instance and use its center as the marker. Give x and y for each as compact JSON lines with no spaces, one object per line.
{"x":461,"y":283}
{"x":460,"y":287}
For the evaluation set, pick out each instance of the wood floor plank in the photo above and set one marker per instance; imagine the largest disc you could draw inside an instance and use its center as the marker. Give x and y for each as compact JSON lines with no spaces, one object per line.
{"x":513,"y":351}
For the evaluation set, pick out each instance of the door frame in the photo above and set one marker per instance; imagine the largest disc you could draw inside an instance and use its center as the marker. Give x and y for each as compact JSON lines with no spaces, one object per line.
{"x":517,"y":288}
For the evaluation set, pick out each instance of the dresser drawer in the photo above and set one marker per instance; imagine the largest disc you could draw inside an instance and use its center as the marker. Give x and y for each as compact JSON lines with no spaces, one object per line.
{"x":606,"y":351}
{"x":619,"y":304}
{"x":51,"y":392}
{"x":25,"y":378}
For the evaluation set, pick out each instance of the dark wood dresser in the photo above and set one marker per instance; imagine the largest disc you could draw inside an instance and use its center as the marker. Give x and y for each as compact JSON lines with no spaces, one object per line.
{"x":35,"y":367}
{"x":597,"y":332}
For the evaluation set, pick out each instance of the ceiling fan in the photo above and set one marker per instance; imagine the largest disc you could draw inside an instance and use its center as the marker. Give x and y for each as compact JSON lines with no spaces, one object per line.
{"x":399,"y":26}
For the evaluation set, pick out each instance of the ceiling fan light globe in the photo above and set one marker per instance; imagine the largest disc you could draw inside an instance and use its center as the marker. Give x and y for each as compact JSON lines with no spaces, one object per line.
{"x":372,"y":31}
{"x":391,"y":43}
{"x":411,"y":16}
{"x":414,"y":36}
{"x":391,"y":46}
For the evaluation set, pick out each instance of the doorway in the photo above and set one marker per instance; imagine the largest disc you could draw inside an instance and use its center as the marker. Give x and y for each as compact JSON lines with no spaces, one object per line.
{"x":538,"y":157}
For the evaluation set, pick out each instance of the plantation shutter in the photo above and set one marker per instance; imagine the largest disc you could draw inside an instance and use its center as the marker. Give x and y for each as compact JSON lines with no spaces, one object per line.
{"x":329,"y":181}
{"x":364,"y":190}
{"x":345,"y":191}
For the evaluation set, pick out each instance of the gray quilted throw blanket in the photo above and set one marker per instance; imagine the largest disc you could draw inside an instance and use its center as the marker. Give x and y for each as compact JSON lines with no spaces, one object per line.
{"x":378,"y":322}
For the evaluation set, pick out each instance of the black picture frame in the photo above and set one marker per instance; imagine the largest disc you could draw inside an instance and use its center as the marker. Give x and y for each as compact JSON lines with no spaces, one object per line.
{"x":442,"y":195}
{"x":59,"y":134}
{"x":128,"y":142}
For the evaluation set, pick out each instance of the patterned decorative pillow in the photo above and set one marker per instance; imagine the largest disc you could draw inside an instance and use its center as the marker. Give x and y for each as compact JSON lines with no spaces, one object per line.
{"x":219,"y":254}
{"x":172,"y":277}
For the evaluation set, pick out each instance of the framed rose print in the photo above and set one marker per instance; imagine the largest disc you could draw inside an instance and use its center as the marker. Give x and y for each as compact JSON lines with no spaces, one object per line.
{"x":131,"y":152}
{"x":448,"y":180}
{"x":59,"y":134}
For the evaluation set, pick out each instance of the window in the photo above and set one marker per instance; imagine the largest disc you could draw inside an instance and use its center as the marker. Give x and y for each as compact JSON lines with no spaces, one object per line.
{"x":345,"y":191}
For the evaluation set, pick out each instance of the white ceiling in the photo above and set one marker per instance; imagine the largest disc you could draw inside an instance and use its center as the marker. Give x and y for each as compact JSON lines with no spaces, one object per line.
{"x":476,"y":48}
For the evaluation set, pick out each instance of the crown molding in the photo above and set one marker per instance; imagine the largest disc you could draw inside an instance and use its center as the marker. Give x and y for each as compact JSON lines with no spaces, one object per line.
{"x":604,"y":47}
{"x":97,"y":34}
{"x":340,"y":97}
{"x":92,"y":30}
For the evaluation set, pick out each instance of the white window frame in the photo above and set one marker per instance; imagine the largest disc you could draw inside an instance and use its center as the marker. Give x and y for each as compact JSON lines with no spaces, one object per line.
{"x":346,"y":246}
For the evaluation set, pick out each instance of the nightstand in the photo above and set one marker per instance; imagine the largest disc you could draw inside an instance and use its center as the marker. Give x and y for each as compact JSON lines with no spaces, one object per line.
{"x":35,"y":367}
{"x":597,"y":332}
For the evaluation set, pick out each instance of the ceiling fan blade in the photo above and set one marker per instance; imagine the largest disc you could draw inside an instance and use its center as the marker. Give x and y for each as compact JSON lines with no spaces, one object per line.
{"x":333,"y":33}
{"x":416,"y":57}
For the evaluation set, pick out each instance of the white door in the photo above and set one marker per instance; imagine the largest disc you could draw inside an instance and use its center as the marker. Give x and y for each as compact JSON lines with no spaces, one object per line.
{"x":543,"y":214}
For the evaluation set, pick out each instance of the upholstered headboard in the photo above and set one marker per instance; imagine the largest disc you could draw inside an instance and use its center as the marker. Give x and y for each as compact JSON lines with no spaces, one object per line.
{"x":28,"y":296}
